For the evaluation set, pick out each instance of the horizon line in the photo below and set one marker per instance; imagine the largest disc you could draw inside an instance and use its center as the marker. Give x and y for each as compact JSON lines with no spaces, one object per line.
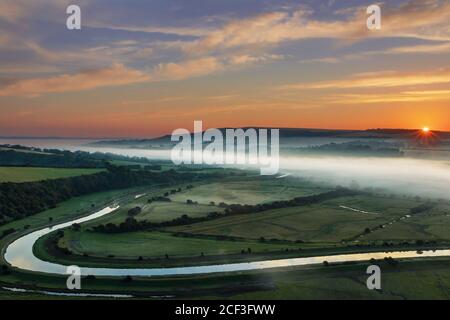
{"x":241,"y":127}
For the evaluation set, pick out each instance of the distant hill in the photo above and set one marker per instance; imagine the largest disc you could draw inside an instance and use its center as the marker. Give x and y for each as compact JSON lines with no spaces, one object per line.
{"x":286,"y":134}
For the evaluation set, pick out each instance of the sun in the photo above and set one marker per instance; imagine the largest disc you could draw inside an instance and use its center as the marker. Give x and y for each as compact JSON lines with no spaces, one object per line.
{"x":425,"y":130}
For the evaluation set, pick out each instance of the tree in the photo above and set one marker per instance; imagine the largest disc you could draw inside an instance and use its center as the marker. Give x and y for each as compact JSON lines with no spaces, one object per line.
{"x":134,"y":211}
{"x":76,"y":227}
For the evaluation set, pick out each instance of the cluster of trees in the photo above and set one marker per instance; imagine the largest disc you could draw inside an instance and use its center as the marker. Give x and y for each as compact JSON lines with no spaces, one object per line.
{"x":421,"y":208}
{"x":15,"y":155}
{"x":34,"y":159}
{"x":18,"y":200}
{"x":358,"y":148}
{"x":296,"y":202}
{"x":134,"y":211}
{"x":130,"y":224}
{"x":159,"y":198}
{"x":165,"y":197}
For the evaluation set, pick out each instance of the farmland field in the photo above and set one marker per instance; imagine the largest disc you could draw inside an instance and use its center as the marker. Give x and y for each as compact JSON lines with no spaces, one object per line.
{"x":251,"y":191}
{"x":28,"y":174}
{"x":158,"y":244}
{"x":324,"y":222}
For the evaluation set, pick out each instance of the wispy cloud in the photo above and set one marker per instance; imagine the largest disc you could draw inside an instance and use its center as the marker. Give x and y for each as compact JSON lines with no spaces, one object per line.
{"x":188,"y":68}
{"x":377,"y":80}
{"x":180,"y":31}
{"x":403,"y":96}
{"x":114,"y":76}
{"x":418,"y":19}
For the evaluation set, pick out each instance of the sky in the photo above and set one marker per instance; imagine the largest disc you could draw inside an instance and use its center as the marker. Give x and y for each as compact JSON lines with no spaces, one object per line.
{"x":142,"y":68}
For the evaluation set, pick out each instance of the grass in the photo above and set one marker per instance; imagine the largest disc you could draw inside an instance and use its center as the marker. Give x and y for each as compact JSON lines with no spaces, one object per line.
{"x":250,"y":191}
{"x":166,"y":211}
{"x":67,"y":210}
{"x":157,"y":244}
{"x":431,"y":281}
{"x":324,"y":222}
{"x":157,"y":211}
{"x":28,"y":174}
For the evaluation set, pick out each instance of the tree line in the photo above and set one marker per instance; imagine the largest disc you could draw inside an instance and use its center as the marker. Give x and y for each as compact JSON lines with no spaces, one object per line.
{"x":15,"y":155}
{"x":19,"y":200}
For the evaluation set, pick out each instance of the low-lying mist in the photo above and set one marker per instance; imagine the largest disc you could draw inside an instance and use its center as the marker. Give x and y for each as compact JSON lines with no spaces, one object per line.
{"x":427,"y":178}
{"x":402,"y":175}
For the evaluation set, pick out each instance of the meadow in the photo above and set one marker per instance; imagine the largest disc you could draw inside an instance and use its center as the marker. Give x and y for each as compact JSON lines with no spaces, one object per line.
{"x":324,"y":222}
{"x":250,"y":191}
{"x":158,"y":244}
{"x":29,"y":174}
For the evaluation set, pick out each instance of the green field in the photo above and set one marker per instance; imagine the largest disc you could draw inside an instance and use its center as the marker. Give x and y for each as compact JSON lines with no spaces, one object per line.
{"x":157,"y":245}
{"x":70,"y":209}
{"x":156,"y":211}
{"x":253,"y":190}
{"x":324,"y":222}
{"x":431,"y":281}
{"x":250,"y":191}
{"x":28,"y":174}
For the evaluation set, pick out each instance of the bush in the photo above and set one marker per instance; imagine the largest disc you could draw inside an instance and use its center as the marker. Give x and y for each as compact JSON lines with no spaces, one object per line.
{"x":134,"y":211}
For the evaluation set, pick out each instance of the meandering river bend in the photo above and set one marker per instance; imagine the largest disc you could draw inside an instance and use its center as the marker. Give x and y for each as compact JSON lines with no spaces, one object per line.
{"x":19,"y":254}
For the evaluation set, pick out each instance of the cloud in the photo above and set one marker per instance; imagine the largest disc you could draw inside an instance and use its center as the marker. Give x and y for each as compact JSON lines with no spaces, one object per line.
{"x":404,"y":96}
{"x":114,"y":76}
{"x":11,"y":11}
{"x":329,"y":60}
{"x":180,"y":31}
{"x":430,"y":48}
{"x":377,"y":80}
{"x":16,"y":11}
{"x":188,"y":68}
{"x":119,"y":75}
{"x":416,"y":18}
{"x":250,"y":59}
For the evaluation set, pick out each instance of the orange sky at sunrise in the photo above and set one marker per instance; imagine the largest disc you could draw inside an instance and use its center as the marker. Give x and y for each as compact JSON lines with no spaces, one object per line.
{"x":304,"y":64}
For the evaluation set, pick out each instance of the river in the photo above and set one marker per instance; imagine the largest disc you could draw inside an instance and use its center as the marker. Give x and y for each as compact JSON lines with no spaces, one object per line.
{"x":20,"y":254}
